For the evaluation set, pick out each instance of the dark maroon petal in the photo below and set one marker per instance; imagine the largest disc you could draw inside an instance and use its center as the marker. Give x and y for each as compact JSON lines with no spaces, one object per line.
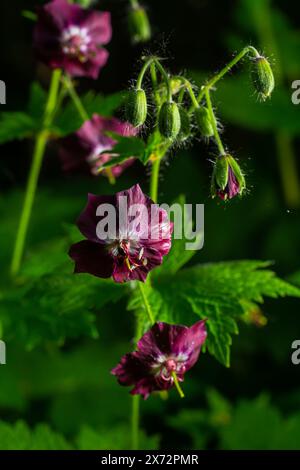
{"x":130,"y":369}
{"x":88,"y":220}
{"x":189,"y":342}
{"x":89,"y":68}
{"x":146,"y":386}
{"x":98,"y":25}
{"x":233,"y":186}
{"x":160,"y":339}
{"x":134,"y":195}
{"x":83,"y":149}
{"x":73,"y":153}
{"x":92,"y":258}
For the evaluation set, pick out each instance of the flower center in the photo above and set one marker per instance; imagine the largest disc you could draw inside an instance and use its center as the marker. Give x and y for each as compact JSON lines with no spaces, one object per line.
{"x":128,"y":253}
{"x":75,"y":42}
{"x":165,"y":366}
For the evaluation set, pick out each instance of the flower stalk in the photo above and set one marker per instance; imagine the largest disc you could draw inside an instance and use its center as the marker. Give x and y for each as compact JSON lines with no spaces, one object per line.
{"x":214,"y":122}
{"x":38,"y":154}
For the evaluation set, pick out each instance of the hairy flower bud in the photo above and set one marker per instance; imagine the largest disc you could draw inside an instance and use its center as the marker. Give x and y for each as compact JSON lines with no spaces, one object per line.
{"x":227,"y":179}
{"x":185,"y":128}
{"x":136,"y":110}
{"x":204,"y":121}
{"x":262,"y":77}
{"x":139,"y":25}
{"x":169,"y":120}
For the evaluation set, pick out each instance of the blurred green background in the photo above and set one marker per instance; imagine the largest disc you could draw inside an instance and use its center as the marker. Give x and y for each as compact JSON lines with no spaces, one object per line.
{"x":58,"y":359}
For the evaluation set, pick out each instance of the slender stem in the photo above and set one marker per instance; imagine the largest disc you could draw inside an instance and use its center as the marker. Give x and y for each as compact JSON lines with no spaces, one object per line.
{"x":154,"y":84}
{"x":146,"y":303}
{"x":214,"y":123}
{"x":165,"y":77}
{"x":262,"y":19}
{"x":154,"y":179}
{"x":75,"y":98}
{"x":83,"y":114}
{"x":135,"y":410}
{"x":135,"y":418}
{"x":39,"y":150}
{"x":247,"y":50}
{"x":177,"y":385}
{"x":190,"y":90}
{"x":141,"y":75}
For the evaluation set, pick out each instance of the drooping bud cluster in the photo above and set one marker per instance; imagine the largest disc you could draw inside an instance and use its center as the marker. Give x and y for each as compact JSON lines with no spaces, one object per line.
{"x":177,"y":112}
{"x":262,"y":77}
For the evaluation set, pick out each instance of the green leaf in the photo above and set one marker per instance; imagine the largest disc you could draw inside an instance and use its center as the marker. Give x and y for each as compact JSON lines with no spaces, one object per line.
{"x":258,"y":425}
{"x":56,"y":304}
{"x":125,"y":148}
{"x":16,"y":125}
{"x":116,"y":438}
{"x":220,"y":292}
{"x":37,"y":101}
{"x":18,"y":436}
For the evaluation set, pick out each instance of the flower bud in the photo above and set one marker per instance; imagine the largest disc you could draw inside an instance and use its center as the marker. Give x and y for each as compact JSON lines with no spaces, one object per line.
{"x":262,"y":77}
{"x":227,"y":179}
{"x":204,"y":121}
{"x":139,"y":25}
{"x":185,"y":127}
{"x":169,"y":120}
{"x":136,"y":110}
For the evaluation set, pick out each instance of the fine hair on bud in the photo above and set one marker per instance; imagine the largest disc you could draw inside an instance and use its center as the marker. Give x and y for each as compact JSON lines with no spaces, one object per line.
{"x":169,"y":122}
{"x":138,"y":24}
{"x":262,"y":77}
{"x":204,"y":122}
{"x":136,"y":107}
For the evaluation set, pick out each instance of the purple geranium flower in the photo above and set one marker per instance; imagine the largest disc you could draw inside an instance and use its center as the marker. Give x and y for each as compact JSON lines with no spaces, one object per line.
{"x":127,"y":236}
{"x":232,"y":187}
{"x":70,"y":37}
{"x":87,"y":148}
{"x":163,"y":355}
{"x":228,"y":180}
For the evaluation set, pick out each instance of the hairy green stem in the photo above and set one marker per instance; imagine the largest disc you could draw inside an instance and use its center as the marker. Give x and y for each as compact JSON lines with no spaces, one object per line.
{"x":154,"y":179}
{"x":165,"y":77}
{"x":285,"y":151}
{"x":75,"y":98}
{"x":247,"y":50}
{"x":38,"y":154}
{"x":83,"y":114}
{"x":187,"y":84}
{"x":214,"y":123}
{"x":154,"y":84}
{"x":146,"y":303}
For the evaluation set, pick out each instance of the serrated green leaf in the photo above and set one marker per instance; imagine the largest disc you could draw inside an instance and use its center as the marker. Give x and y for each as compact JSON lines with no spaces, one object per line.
{"x":19,"y":436}
{"x":220,"y":292}
{"x":16,"y":125}
{"x":116,"y":438}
